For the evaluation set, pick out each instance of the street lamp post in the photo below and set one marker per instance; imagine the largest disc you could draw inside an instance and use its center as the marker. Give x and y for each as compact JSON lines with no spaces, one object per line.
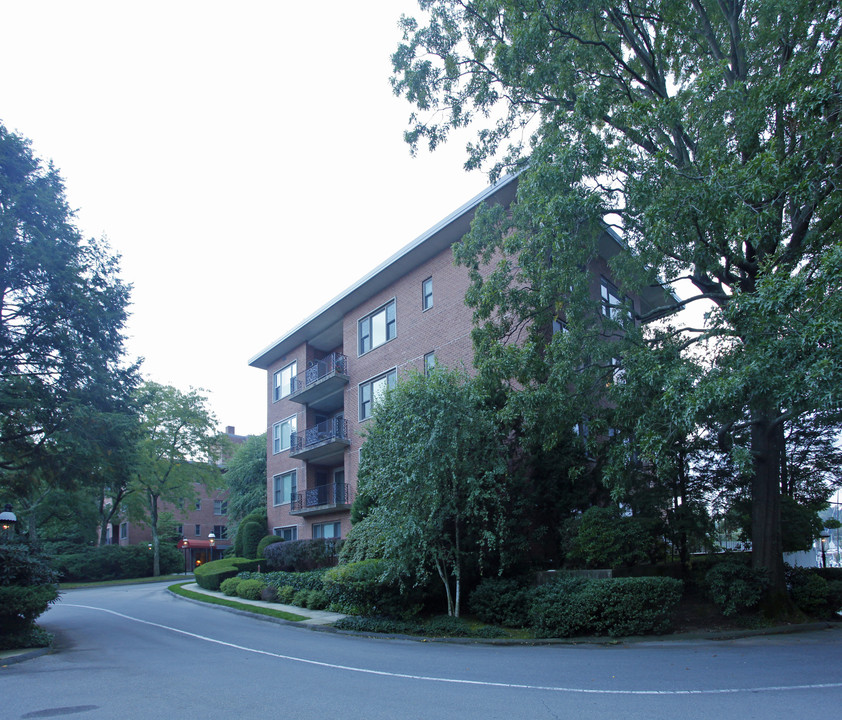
{"x":185,"y":543}
{"x":824,"y":538}
{"x":211,"y":540}
{"x":7,"y":519}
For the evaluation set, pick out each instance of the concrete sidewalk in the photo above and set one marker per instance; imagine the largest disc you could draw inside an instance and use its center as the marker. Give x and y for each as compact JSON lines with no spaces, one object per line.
{"x":313,"y":617}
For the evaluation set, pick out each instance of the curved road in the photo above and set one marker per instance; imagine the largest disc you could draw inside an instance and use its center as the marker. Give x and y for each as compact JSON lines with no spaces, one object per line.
{"x":136,"y":651}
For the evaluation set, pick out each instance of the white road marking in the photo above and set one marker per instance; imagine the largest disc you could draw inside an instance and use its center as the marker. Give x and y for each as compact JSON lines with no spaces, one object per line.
{"x":457,"y":681}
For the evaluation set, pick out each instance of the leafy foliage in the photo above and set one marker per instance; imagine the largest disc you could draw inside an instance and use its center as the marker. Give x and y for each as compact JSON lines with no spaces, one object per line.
{"x":735,"y":587}
{"x":302,"y":555}
{"x":431,"y":466}
{"x":115,"y":562}
{"x":27,"y":588}
{"x":245,"y":478}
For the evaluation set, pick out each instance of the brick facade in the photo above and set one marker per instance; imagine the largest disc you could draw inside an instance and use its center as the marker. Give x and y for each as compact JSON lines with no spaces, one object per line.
{"x":443,"y":329}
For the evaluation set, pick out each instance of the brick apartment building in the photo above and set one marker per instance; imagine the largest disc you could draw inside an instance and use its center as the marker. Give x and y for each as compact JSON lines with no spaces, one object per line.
{"x":208,"y":514}
{"x":324,"y":375}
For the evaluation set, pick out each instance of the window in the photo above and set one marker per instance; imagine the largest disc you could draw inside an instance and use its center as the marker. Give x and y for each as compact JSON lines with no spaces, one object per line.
{"x":220,"y":507}
{"x":377,"y":328}
{"x":618,"y":373}
{"x":124,"y":531}
{"x":559,"y":326}
{"x":327,"y":530}
{"x":197,"y":530}
{"x":221,"y":532}
{"x":179,"y":529}
{"x":429,"y":362}
{"x":427,"y":294}
{"x":282,"y":434}
{"x":284,"y":487}
{"x":199,"y":504}
{"x":372,"y":391}
{"x":287,"y":533}
{"x":612,"y":303}
{"x":284,"y":381}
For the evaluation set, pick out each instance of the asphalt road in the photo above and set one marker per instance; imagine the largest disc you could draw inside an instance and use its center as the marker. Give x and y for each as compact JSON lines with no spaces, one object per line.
{"x":137,"y":652}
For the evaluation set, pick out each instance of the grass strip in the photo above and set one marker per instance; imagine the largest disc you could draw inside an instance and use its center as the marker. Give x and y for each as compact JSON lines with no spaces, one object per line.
{"x":178,"y":589}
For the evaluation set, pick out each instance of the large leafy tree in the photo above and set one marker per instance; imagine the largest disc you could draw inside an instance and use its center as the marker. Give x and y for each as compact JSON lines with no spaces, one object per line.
{"x":708,"y":132}
{"x":179,"y":447}
{"x":430,"y":476}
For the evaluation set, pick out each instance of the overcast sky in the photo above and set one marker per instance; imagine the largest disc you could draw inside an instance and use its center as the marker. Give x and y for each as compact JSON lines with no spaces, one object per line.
{"x":245,"y":159}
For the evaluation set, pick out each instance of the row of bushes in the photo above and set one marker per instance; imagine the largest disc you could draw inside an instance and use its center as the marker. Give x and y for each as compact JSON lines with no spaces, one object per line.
{"x":212,"y":574}
{"x":115,"y":562}
{"x":571,"y":605}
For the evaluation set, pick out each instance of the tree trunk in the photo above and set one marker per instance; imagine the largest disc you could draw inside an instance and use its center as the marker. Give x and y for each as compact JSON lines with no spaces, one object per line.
{"x":153,"y":524}
{"x":766,"y":547}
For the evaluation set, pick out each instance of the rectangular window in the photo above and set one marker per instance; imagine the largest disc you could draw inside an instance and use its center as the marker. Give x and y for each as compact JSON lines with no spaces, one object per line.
{"x":377,"y":328}
{"x":179,"y":529}
{"x":559,"y":326}
{"x":284,"y":381}
{"x":124,"y":531}
{"x":427,"y":294}
{"x":199,"y":504}
{"x":221,"y":532}
{"x":429,"y":362}
{"x":284,"y":487}
{"x":287,"y":533}
{"x":281,"y":434}
{"x":612,"y":303}
{"x":197,"y":530}
{"x":327,"y":530}
{"x":372,"y":391}
{"x":220,"y":507}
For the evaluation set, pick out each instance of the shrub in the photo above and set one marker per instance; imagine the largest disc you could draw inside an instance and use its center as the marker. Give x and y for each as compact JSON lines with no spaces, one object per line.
{"x":252,"y":533}
{"x":267,"y":540}
{"x":301,"y":597}
{"x":834,"y":596}
{"x":257,"y":516}
{"x":360,"y":589}
{"x":285,"y":594}
{"x":317,"y":600}
{"x":115,"y":562}
{"x":229,"y":586}
{"x":311,"y":580}
{"x":605,"y":538}
{"x":302,"y":555}
{"x":735,"y":587}
{"x":250,"y":589}
{"x":812,"y":593}
{"x":210,"y":575}
{"x":27,"y":588}
{"x":269,"y":594}
{"x":501,"y":601}
{"x":624,"y":606}
{"x":445,"y":626}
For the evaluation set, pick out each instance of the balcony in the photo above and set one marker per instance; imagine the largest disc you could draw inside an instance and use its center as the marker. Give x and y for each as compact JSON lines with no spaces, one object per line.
{"x":322,"y":499}
{"x":321,"y":386}
{"x":325,"y":442}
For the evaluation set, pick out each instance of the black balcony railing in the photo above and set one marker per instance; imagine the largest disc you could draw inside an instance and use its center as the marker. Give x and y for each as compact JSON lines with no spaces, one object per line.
{"x":333,"y":494}
{"x":320,"y":369}
{"x":324,"y":432}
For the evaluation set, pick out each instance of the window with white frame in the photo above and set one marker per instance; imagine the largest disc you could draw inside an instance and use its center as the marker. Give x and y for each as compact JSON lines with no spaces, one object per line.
{"x":429,"y":362}
{"x":220,"y":507}
{"x":287,"y":533}
{"x":427,"y":294}
{"x":124,"y":531}
{"x":377,"y":328}
{"x":283,"y":381}
{"x":372,"y":391}
{"x":284,"y":487}
{"x":197,"y":530}
{"x":612,"y":303}
{"x":327,"y":530}
{"x":282,"y":434}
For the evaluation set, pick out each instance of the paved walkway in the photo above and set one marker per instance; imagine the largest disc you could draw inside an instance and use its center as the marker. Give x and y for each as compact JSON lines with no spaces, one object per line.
{"x":313,"y":617}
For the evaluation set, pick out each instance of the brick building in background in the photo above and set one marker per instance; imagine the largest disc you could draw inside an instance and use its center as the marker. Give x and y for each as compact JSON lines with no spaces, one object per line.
{"x":208,"y":514}
{"x":324,"y":375}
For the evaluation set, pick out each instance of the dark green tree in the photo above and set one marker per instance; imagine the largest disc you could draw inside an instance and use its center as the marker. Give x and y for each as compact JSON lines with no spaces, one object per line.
{"x":708,"y":133}
{"x":245,"y":478}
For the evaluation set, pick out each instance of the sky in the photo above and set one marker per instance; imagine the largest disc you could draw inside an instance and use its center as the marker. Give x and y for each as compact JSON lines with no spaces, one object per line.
{"x":246,"y":161}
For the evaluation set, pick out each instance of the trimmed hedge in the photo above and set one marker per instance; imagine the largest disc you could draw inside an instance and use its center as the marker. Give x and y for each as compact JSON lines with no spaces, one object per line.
{"x":229,"y":586}
{"x":252,"y":533}
{"x":302,"y":555}
{"x":267,"y":540}
{"x":359,"y":589}
{"x":211,"y":575}
{"x":250,"y":589}
{"x":311,"y":580}
{"x":502,"y":601}
{"x":620,"y":606}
